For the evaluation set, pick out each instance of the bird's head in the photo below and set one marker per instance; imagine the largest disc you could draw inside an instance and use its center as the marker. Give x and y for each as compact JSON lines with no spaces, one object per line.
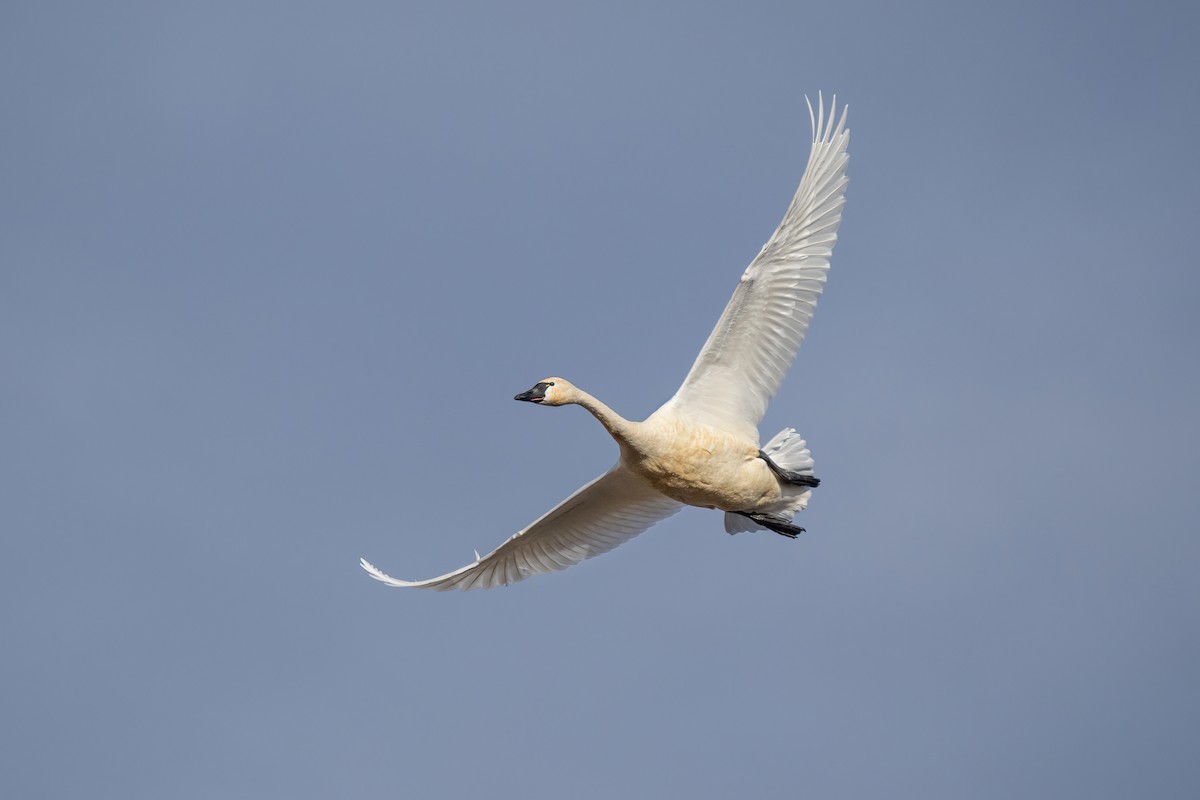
{"x":550,"y":392}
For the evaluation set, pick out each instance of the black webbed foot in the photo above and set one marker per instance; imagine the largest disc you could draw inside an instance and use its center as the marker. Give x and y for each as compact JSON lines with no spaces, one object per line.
{"x":792,"y":477}
{"x":775,"y":523}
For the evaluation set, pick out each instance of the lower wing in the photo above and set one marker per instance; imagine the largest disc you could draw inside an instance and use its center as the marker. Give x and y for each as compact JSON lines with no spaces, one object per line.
{"x":607,"y":512}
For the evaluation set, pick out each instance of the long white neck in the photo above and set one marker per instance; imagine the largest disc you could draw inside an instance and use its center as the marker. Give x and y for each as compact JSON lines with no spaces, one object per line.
{"x":614,"y":423}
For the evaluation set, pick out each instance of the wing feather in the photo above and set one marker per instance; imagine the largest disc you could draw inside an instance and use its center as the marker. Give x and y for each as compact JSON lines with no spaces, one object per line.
{"x":742,"y":365}
{"x":601,"y":515}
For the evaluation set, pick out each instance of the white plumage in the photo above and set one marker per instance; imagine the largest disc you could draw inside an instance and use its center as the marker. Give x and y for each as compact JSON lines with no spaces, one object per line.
{"x":701,"y":447}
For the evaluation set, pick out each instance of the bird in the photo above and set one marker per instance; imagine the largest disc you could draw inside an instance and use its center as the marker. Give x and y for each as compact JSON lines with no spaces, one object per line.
{"x":701,"y":448}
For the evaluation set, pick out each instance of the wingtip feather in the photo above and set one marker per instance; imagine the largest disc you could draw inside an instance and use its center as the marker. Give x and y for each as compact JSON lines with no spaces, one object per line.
{"x":381,"y":576}
{"x":826,"y":127}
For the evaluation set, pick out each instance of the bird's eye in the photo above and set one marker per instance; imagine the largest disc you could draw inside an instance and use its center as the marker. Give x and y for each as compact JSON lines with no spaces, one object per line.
{"x":551,"y":383}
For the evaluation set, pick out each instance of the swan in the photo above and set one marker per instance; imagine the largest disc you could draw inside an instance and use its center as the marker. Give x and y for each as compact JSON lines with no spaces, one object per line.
{"x":701,"y":448}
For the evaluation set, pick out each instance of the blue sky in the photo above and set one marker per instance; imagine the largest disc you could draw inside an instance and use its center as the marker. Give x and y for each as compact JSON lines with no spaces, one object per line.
{"x":270,"y":275}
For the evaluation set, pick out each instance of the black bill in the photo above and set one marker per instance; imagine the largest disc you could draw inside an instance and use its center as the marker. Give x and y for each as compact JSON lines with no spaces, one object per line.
{"x":535,"y":395}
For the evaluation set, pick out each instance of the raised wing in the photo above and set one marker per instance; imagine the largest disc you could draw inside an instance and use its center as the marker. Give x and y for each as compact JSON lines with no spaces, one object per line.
{"x":745,"y":358}
{"x":607,"y":512}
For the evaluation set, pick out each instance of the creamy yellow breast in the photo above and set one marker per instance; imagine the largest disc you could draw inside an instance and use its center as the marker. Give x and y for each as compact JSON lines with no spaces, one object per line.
{"x":701,"y":465}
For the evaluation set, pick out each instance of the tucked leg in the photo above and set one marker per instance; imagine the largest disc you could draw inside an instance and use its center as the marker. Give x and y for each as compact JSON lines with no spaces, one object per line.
{"x":788,"y":475}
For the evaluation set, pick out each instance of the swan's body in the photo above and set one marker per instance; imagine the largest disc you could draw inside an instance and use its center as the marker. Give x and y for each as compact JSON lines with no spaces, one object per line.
{"x":700,"y":465}
{"x":702,"y":447}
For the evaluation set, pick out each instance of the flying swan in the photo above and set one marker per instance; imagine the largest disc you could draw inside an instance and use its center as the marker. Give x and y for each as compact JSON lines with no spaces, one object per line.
{"x":702,"y":447}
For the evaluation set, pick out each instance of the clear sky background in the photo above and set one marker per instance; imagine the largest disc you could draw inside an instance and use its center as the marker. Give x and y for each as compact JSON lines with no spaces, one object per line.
{"x":270,"y":275}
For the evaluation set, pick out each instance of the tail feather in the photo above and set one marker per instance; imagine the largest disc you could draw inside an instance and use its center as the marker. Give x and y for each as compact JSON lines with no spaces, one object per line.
{"x":789,"y":450}
{"x":736,"y":523}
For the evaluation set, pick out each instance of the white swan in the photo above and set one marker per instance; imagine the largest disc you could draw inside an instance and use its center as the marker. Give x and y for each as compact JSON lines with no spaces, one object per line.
{"x":702,"y":447}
